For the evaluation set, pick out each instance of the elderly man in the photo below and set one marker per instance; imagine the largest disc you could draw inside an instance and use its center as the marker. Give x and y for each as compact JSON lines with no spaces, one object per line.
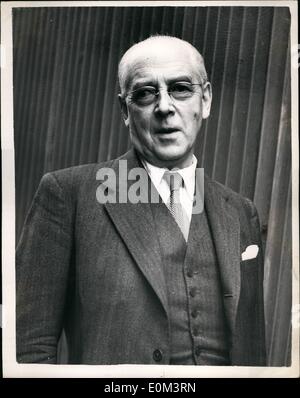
{"x":149,"y":281}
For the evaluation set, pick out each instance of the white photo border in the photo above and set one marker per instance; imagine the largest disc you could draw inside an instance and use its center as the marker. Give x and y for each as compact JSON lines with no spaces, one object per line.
{"x":12,"y":369}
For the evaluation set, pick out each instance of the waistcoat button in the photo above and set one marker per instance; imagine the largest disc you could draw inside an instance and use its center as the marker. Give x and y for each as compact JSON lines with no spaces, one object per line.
{"x":194,"y":313}
{"x":190,"y":273}
{"x":157,"y":355}
{"x":196,"y":332}
{"x":198,"y":351}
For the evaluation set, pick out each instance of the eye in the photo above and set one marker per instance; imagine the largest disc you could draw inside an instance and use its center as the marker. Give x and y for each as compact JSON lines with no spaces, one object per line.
{"x":181,"y":89}
{"x":144,"y":94}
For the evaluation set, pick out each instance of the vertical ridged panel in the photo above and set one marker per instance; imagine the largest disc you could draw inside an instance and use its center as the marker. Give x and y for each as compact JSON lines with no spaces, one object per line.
{"x":278,"y":271}
{"x":278,"y":51}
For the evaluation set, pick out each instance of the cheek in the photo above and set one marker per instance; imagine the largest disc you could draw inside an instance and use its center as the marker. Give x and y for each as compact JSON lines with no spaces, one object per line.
{"x":193,"y":119}
{"x":197,"y":113}
{"x":139,"y":120}
{"x":192,"y":122}
{"x":192,"y":113}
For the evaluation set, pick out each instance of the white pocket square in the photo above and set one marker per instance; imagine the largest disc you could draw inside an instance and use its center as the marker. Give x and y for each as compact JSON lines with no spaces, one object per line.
{"x":250,"y":252}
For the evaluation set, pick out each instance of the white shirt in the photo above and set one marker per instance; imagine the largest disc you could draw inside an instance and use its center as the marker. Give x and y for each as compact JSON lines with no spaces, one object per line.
{"x":186,"y":192}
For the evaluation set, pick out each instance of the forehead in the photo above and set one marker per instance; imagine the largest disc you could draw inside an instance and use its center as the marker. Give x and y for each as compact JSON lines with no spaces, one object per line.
{"x":160,"y":63}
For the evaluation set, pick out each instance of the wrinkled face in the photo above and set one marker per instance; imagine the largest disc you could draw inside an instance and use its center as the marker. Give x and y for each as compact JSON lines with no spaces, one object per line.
{"x":164,"y":127}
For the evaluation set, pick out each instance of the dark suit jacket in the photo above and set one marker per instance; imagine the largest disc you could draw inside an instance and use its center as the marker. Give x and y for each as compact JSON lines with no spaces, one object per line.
{"x":96,"y":271}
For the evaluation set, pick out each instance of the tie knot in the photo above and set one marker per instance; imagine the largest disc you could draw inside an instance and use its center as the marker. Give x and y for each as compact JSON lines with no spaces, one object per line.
{"x":174,"y":180}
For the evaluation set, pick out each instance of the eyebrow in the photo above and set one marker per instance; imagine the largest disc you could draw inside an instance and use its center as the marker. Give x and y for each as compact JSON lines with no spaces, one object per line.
{"x":152,"y":82}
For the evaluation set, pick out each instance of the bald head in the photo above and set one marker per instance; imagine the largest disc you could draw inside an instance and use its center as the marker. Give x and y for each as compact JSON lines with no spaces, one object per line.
{"x":157,"y":48}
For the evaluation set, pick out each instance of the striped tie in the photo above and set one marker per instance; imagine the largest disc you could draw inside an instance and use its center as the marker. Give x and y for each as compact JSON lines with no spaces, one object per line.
{"x":175,"y":182}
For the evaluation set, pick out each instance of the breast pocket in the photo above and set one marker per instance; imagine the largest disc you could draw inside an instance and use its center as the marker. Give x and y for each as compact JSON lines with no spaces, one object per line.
{"x":249,"y":265}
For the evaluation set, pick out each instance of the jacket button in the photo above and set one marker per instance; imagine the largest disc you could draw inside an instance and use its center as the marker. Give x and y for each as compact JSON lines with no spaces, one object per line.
{"x":190,"y":273}
{"x":157,"y":355}
{"x":193,"y":292}
{"x":194,"y":313}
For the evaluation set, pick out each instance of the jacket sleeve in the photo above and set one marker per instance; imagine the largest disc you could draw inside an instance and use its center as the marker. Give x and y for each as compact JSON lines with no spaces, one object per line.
{"x":42,"y":266}
{"x":256,"y":328}
{"x":262,"y":361}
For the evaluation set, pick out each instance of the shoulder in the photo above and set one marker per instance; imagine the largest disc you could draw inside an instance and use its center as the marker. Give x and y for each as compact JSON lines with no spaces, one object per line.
{"x":73,"y":177}
{"x":82,"y":177}
{"x":242,"y":204}
{"x":77,"y":174}
{"x":70,"y":184}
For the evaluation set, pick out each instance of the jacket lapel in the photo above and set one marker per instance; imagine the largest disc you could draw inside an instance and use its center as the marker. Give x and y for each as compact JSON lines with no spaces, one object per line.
{"x":225,"y":228}
{"x":135,"y":224}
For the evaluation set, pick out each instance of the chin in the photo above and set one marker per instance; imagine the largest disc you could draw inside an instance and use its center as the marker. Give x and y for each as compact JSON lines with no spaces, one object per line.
{"x":171,"y":154}
{"x":171,"y":159}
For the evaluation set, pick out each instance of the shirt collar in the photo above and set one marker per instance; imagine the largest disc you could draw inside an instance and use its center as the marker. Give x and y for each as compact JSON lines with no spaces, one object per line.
{"x":188,"y":175}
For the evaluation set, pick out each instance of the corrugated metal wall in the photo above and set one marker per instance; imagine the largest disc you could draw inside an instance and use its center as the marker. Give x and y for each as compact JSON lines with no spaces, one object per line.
{"x":67,"y":113}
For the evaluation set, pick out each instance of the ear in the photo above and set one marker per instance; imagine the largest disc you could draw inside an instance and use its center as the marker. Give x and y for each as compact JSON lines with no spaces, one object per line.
{"x":206,"y":100}
{"x":124,"y":109}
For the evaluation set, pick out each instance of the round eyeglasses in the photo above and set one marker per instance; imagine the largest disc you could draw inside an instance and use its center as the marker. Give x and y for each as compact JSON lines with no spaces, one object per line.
{"x":146,"y":95}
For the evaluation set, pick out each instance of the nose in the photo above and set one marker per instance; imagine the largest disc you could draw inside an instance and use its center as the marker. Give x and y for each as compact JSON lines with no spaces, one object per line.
{"x":164,"y":105}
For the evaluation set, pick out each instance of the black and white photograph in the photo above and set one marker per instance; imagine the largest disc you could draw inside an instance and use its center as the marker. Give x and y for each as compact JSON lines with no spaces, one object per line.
{"x":150,"y":185}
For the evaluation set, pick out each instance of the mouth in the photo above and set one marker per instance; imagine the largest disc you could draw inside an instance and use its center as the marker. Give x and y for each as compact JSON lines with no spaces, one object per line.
{"x":166,"y":131}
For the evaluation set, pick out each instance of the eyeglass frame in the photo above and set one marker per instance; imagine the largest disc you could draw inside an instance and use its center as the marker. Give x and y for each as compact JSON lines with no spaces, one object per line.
{"x":156,"y":94}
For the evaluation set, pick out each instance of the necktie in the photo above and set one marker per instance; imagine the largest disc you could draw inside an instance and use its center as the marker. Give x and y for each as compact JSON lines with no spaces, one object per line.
{"x":175,"y":182}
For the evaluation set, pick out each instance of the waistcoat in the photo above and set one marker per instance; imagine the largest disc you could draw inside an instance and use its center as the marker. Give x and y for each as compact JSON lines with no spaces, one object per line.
{"x":198,"y":331}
